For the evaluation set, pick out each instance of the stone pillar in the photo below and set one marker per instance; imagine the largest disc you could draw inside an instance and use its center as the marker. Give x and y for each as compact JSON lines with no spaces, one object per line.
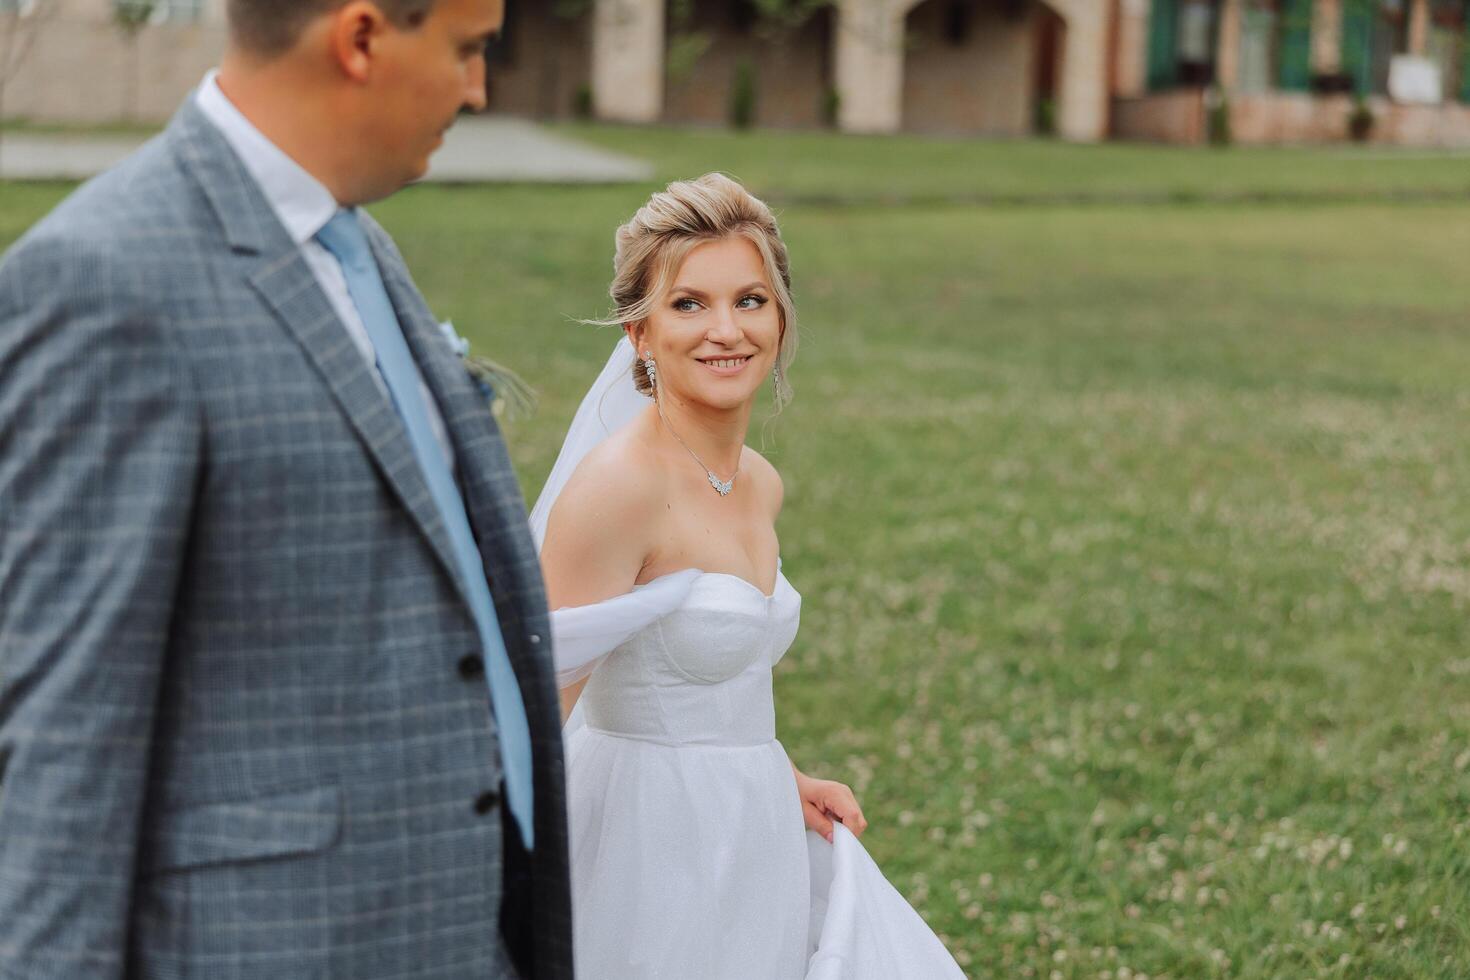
{"x":1131,"y":67}
{"x":1327,"y":37}
{"x":1419,"y":27}
{"x":628,"y":60}
{"x":869,"y":65}
{"x":1227,"y":51}
{"x":1082,"y":110}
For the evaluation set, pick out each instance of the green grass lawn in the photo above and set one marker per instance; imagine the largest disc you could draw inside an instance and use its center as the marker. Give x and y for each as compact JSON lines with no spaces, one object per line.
{"x":815,"y":168}
{"x":1134,"y":540}
{"x":78,"y":130}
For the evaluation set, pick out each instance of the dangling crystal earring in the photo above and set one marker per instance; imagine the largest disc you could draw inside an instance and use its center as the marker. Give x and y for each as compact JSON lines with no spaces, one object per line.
{"x":776,"y":376}
{"x":651,"y":368}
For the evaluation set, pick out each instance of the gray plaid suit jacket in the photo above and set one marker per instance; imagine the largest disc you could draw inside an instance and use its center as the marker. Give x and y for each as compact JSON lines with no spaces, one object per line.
{"x":243,"y":732}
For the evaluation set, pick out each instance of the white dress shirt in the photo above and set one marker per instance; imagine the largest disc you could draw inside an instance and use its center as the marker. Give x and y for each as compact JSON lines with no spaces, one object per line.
{"x":304,"y":206}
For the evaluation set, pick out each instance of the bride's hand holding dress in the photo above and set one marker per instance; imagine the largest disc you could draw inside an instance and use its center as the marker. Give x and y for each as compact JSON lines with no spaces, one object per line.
{"x":825,"y":800}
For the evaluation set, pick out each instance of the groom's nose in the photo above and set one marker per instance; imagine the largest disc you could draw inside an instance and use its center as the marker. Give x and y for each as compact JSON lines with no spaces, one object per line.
{"x":474,"y":90}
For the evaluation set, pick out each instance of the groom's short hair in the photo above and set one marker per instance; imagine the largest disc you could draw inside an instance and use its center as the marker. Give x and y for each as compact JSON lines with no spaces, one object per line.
{"x":271,"y":27}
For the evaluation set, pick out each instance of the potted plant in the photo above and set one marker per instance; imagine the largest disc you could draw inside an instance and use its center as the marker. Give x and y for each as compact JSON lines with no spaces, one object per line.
{"x":1217,"y":118}
{"x":743,"y":96}
{"x":1361,"y":120}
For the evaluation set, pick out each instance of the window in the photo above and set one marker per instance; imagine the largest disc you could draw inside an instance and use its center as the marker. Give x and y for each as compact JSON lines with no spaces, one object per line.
{"x":1195,"y":42}
{"x":1260,"y":37}
{"x":1390,"y":37}
{"x":957,"y":23}
{"x":1447,"y":48}
{"x":1182,"y":39}
{"x":1373,"y":31}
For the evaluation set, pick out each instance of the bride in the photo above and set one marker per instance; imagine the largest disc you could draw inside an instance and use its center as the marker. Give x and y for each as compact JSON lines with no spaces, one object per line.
{"x":699,"y":851}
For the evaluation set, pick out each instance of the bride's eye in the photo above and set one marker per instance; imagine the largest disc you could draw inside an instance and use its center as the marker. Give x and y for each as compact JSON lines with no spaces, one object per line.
{"x":686,"y":305}
{"x":751,"y":302}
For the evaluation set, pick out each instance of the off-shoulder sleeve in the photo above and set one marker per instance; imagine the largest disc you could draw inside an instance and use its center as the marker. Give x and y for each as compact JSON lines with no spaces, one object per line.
{"x":584,"y":635}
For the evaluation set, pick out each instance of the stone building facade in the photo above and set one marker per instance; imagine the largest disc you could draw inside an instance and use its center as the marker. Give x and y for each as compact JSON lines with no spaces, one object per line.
{"x":1294,"y":71}
{"x":1274,"y":70}
{"x":991,"y":67}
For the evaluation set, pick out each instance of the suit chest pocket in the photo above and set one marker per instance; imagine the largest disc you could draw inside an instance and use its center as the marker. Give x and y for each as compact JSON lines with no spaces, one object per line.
{"x":298,"y":822}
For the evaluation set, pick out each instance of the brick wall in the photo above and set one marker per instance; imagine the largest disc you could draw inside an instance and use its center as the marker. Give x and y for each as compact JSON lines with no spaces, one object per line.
{"x":543,"y":62}
{"x":792,"y":71}
{"x":972,"y":77}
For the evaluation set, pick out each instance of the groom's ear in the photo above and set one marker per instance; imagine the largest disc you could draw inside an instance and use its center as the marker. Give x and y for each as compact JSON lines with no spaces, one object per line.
{"x":355,"y":31}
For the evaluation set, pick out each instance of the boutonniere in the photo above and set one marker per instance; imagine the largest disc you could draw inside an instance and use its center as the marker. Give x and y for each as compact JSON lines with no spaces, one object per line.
{"x":508,"y":396}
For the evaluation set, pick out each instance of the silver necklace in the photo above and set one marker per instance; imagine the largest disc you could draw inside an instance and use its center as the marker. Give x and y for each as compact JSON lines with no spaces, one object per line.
{"x":722,"y":487}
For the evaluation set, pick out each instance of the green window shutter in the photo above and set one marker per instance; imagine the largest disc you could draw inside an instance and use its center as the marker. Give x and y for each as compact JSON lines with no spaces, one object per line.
{"x":1162,"y":31}
{"x":1357,"y":43}
{"x":1296,"y":46}
{"x":1465,"y":59}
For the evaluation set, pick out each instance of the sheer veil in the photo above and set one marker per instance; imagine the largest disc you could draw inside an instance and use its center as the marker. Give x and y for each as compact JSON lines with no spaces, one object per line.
{"x":611,"y":403}
{"x":583,"y":635}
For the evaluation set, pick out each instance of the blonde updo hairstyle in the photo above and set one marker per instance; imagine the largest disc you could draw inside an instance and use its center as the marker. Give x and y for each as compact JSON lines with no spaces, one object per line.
{"x":653,"y":245}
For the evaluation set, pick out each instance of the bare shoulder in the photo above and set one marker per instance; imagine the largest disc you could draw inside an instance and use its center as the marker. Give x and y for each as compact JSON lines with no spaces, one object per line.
{"x":765,"y":478}
{"x":603,"y":524}
{"x":614,"y":482}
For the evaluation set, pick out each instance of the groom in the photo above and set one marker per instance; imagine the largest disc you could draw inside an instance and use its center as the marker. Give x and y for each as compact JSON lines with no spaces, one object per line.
{"x":275,"y":682}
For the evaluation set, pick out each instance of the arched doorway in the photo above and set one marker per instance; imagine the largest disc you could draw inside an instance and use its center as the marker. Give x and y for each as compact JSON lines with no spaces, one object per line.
{"x":540,"y":65}
{"x":1051,"y":43}
{"x":715,"y":48}
{"x":980,"y":67}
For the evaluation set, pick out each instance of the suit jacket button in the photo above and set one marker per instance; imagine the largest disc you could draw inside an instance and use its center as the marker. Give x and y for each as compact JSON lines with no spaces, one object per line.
{"x":471,"y":666}
{"x":486,"y":802}
{"x":535,"y":639}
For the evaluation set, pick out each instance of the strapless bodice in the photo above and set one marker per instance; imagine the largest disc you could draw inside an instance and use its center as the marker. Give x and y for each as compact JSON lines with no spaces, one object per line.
{"x":701,"y":673}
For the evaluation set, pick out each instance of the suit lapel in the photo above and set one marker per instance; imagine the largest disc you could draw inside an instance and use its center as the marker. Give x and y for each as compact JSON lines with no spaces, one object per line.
{"x":497,"y":514}
{"x":290,"y":290}
{"x":492,"y":496}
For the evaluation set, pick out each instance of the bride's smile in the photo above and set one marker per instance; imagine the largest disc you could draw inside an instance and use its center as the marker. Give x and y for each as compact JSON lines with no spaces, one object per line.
{"x":717,"y":331}
{"x":726,"y":367}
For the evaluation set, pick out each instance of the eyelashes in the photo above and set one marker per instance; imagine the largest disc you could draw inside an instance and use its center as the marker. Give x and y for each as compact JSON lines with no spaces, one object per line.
{"x":686,"y":304}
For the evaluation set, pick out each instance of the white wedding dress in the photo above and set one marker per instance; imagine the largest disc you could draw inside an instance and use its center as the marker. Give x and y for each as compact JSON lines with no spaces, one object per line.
{"x":690,"y":858}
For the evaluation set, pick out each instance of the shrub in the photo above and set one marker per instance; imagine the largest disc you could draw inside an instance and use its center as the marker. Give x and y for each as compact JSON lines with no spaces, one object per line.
{"x":831,"y":106}
{"x":1218,"y":121}
{"x":742,"y":96}
{"x":582,"y":101}
{"x":1361,"y":120}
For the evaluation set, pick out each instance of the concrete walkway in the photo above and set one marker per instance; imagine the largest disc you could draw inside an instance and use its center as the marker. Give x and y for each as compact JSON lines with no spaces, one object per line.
{"x":480,"y":150}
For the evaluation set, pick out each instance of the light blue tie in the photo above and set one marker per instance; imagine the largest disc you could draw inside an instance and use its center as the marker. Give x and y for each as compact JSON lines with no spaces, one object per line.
{"x":344,"y":238}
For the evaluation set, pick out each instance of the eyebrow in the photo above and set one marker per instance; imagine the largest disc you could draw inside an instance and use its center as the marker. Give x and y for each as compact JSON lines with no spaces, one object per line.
{"x":701,"y":294}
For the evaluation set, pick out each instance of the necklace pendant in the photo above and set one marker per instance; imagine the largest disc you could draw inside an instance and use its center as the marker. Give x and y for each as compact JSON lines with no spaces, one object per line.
{"x":722,"y":487}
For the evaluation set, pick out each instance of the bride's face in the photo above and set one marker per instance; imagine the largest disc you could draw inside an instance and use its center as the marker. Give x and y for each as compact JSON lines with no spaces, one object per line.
{"x":715,"y":334}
